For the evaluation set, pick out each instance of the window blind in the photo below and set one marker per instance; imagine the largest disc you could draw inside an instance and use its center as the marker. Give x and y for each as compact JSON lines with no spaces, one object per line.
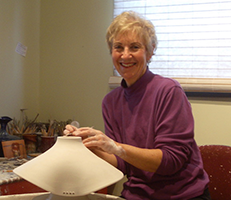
{"x":194,"y":37}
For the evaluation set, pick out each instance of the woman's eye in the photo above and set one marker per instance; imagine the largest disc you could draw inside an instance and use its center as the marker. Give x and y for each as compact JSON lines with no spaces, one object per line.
{"x":135,"y":47}
{"x":118,"y":47}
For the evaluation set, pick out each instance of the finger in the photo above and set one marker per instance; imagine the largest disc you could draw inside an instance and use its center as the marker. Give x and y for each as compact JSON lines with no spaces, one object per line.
{"x":66,"y":132}
{"x":87,"y":132}
{"x":90,"y":142}
{"x":71,"y":128}
{"x":76,"y":133}
{"x":86,"y":128}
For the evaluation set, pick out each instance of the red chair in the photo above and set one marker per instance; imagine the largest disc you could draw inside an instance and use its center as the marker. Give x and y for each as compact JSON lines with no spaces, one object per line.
{"x":217,"y":163}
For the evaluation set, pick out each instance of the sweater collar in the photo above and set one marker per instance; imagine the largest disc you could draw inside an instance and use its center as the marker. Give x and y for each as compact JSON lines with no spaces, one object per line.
{"x":139,"y":85}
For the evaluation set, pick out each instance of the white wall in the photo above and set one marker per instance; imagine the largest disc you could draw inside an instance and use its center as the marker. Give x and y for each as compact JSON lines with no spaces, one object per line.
{"x":75,"y":62}
{"x":212,"y":120}
{"x":19,"y":76}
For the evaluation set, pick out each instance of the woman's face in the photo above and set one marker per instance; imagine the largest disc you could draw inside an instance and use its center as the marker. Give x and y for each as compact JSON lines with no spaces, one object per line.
{"x":129,"y":57}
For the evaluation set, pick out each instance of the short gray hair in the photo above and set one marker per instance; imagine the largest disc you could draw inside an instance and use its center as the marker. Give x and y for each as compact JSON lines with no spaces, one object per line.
{"x":130,"y":21}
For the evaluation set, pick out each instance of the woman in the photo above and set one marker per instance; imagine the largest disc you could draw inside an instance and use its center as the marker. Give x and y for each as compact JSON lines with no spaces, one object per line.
{"x":149,"y":127}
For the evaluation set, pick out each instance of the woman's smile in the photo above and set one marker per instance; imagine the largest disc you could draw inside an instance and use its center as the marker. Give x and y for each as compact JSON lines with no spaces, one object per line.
{"x":128,"y":65}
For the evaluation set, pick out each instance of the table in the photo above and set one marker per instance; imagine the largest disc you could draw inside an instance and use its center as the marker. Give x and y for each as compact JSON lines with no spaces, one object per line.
{"x":11,"y":183}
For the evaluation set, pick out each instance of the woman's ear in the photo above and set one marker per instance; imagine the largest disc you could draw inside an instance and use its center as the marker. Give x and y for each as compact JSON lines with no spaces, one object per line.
{"x":151,"y":53}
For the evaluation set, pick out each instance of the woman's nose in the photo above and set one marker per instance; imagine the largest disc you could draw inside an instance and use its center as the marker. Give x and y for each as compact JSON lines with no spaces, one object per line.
{"x":126,"y":53}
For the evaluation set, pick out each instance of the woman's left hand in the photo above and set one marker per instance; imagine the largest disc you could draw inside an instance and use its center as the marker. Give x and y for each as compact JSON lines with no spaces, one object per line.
{"x":93,"y":138}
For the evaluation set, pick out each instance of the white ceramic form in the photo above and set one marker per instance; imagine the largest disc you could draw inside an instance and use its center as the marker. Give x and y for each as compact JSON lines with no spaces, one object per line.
{"x":69,"y":169}
{"x":49,"y":196}
{"x":92,"y":196}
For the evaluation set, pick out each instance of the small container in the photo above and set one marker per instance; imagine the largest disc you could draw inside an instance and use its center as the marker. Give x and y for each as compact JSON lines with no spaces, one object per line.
{"x":47,"y":142}
{"x":30,"y":143}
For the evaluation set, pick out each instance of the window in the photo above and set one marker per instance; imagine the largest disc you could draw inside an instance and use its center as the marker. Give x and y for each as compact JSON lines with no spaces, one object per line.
{"x":194,"y":40}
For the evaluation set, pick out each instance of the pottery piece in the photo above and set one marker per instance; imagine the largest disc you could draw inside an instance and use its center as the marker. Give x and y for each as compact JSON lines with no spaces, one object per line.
{"x":69,"y":169}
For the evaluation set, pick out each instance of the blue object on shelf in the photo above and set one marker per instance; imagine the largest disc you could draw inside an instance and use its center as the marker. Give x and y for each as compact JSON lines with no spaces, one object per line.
{"x":4,"y":136}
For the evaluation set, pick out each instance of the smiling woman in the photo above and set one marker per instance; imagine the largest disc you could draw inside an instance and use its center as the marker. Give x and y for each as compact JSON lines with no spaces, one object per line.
{"x":149,"y":127}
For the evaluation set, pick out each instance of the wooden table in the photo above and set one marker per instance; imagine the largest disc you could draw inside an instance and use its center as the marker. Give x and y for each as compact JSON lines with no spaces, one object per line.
{"x":19,"y":187}
{"x":10,"y":183}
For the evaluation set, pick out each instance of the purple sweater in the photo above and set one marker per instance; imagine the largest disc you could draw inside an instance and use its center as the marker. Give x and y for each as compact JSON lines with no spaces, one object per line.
{"x":154,"y":113}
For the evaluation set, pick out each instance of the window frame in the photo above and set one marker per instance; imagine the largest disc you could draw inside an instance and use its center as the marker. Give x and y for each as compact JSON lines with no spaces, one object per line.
{"x":195,"y":86}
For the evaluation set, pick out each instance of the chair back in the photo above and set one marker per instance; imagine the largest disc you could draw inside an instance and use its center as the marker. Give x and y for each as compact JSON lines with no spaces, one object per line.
{"x":217,"y":163}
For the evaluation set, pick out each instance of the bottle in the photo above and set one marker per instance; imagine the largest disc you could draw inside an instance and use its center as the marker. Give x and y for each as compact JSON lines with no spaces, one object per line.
{"x":4,"y":136}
